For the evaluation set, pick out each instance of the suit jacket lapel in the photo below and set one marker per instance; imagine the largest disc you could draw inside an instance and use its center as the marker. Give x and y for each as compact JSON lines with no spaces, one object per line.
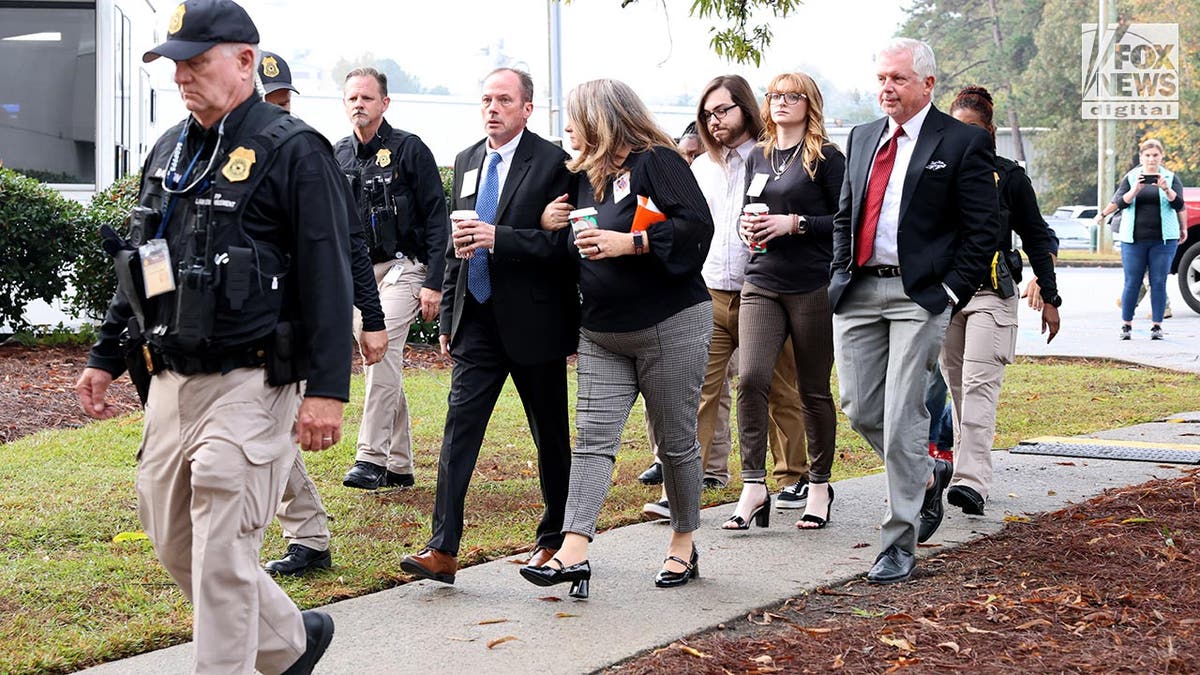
{"x":927,"y":141}
{"x":521,"y":160}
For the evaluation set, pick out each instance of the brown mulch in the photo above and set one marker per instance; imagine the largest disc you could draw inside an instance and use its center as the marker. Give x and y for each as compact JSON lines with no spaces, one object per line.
{"x":1110,"y":585}
{"x":37,"y":386}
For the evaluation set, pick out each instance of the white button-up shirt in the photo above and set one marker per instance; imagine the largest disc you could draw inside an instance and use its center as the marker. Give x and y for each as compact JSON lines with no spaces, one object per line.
{"x":506,"y":152}
{"x":886,"y":246}
{"x":724,"y":189}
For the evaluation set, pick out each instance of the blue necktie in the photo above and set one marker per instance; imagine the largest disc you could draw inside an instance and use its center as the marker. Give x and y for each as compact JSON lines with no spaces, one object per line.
{"x":478,"y":281}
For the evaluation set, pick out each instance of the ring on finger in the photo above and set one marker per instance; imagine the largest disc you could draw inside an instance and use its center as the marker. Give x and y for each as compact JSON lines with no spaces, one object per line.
{"x":472,"y":239}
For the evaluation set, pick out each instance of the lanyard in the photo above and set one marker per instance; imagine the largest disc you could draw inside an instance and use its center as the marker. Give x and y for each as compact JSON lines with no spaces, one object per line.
{"x":171,"y":183}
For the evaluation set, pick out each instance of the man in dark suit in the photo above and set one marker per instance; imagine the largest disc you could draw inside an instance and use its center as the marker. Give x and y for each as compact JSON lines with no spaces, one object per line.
{"x":916,"y":224}
{"x":510,"y":305}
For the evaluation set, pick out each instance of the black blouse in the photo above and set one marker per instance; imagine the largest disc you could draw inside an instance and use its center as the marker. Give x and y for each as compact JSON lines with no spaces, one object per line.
{"x":633,"y":292}
{"x":797,"y":263}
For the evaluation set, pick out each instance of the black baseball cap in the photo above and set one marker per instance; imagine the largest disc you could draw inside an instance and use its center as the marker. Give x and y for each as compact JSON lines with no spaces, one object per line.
{"x":274,"y":73}
{"x":197,"y":25}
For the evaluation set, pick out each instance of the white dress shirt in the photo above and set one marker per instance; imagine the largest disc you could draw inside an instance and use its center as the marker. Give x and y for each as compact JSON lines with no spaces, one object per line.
{"x":886,"y":247}
{"x":506,"y":152}
{"x":724,"y":189}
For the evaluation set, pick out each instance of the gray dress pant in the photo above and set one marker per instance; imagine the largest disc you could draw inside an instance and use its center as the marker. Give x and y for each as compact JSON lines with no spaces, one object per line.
{"x":885,"y":346}
{"x":665,"y":364}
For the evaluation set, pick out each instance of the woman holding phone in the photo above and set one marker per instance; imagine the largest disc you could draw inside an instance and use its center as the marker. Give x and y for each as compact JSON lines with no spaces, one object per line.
{"x":1150,"y":199}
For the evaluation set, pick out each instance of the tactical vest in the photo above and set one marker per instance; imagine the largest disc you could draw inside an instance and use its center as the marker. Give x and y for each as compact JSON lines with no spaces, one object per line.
{"x":384,"y":197}
{"x":231,"y":289}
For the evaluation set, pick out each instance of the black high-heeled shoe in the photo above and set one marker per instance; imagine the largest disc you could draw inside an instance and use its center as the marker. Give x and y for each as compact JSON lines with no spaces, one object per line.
{"x":761,"y":516}
{"x":579,"y":575}
{"x":691,"y":570}
{"x":813,"y":518}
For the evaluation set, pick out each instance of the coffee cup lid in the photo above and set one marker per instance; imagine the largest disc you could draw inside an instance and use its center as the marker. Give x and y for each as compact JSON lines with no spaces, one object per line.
{"x":464,"y":214}
{"x":580,"y":213}
{"x":756,"y":207}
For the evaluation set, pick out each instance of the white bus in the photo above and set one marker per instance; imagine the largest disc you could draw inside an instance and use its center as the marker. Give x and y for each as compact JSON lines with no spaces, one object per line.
{"x":76,"y":102}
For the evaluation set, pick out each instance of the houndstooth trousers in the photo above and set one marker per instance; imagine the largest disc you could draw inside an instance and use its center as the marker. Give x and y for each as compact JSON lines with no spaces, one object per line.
{"x":665,"y":363}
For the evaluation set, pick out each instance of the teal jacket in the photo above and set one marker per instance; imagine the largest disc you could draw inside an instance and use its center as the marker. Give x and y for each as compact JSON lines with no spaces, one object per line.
{"x":1169,"y":217}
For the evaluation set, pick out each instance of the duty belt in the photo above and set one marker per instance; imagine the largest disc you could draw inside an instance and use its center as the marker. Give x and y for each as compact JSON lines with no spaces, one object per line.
{"x":186,"y":364}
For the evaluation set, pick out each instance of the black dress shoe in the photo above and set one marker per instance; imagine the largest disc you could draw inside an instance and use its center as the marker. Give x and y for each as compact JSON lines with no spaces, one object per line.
{"x":652,"y":476}
{"x":966,"y":499}
{"x":318,"y":631}
{"x":932,"y":509}
{"x":400,"y":480}
{"x":299,"y":560}
{"x":712,"y":484}
{"x":691,"y":570}
{"x":892,"y":566}
{"x":578,"y":575}
{"x":364,"y":476}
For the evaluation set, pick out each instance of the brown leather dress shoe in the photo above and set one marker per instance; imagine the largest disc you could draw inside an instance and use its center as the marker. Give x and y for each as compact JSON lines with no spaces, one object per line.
{"x":431,"y":564}
{"x":541,"y":556}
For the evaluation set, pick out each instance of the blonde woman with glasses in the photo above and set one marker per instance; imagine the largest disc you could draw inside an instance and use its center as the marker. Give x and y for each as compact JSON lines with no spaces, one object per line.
{"x":647,"y":320}
{"x":797,"y":173}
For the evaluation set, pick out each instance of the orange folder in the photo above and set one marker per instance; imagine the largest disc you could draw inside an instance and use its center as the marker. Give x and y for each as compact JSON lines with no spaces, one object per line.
{"x":646,"y":214}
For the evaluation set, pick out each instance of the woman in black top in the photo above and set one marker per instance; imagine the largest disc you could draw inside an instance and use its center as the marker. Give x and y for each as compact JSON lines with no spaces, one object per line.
{"x":982,"y":338}
{"x":647,"y":319}
{"x":797,"y":173}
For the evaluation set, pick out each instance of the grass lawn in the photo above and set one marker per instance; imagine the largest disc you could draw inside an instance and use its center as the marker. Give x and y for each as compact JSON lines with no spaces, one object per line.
{"x":71,"y":596}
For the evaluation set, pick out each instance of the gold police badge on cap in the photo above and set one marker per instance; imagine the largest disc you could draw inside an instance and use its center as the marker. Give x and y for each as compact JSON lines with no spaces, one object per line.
{"x":383,"y":157}
{"x":177,"y":19}
{"x":237,"y":169}
{"x":270,"y":67}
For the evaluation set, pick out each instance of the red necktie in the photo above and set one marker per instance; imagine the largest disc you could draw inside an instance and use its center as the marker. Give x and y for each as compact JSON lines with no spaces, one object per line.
{"x":881,"y":173}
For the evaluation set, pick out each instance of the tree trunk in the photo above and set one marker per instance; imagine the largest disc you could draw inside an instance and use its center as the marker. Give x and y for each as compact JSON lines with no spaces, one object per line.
{"x":1018,"y":144}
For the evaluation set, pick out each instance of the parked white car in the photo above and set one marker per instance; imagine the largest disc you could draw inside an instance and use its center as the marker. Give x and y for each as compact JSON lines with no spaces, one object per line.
{"x":1073,"y":225}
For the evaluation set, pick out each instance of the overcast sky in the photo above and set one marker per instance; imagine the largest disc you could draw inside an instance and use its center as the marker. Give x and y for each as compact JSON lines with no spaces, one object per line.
{"x":653,"y":45}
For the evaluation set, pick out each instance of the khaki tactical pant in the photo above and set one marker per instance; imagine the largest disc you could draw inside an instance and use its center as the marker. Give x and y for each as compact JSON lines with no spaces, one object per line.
{"x":215,"y":454}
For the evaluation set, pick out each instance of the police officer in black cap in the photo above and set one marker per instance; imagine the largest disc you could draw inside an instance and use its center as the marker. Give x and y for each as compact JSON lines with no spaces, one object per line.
{"x":276,"y":79}
{"x":302,"y":516}
{"x":236,"y":274}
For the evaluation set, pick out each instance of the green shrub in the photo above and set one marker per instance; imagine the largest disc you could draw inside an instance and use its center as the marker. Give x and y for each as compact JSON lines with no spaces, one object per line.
{"x":92,"y":274}
{"x":39,"y":239}
{"x":426,"y":332}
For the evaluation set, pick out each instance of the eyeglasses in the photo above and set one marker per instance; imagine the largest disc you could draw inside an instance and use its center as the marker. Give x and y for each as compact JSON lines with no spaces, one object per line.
{"x":719,"y":113}
{"x":791,"y":97}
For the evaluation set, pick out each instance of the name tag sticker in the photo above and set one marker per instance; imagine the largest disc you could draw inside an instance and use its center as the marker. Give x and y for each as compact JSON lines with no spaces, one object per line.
{"x":470,"y":179}
{"x":393,"y":275}
{"x":756,"y":185}
{"x":620,"y":187}
{"x":157,"y":274}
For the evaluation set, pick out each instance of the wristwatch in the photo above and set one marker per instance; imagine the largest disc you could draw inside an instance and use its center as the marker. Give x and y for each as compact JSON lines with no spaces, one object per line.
{"x":801,"y":225}
{"x":1055,"y":301}
{"x":639,"y":243}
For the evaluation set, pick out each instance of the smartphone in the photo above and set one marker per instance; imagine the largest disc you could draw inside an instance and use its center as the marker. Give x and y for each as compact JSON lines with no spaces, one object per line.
{"x":1150,"y":178}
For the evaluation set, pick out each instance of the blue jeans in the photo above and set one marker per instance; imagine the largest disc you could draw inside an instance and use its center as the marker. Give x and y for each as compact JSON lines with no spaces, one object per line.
{"x":941,"y":422}
{"x":1136,"y":259}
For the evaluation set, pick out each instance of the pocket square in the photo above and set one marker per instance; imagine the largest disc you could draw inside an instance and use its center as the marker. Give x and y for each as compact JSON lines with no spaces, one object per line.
{"x":935,"y":166}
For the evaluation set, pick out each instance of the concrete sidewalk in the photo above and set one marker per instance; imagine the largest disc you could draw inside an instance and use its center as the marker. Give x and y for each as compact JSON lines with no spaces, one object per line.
{"x":428,"y":627}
